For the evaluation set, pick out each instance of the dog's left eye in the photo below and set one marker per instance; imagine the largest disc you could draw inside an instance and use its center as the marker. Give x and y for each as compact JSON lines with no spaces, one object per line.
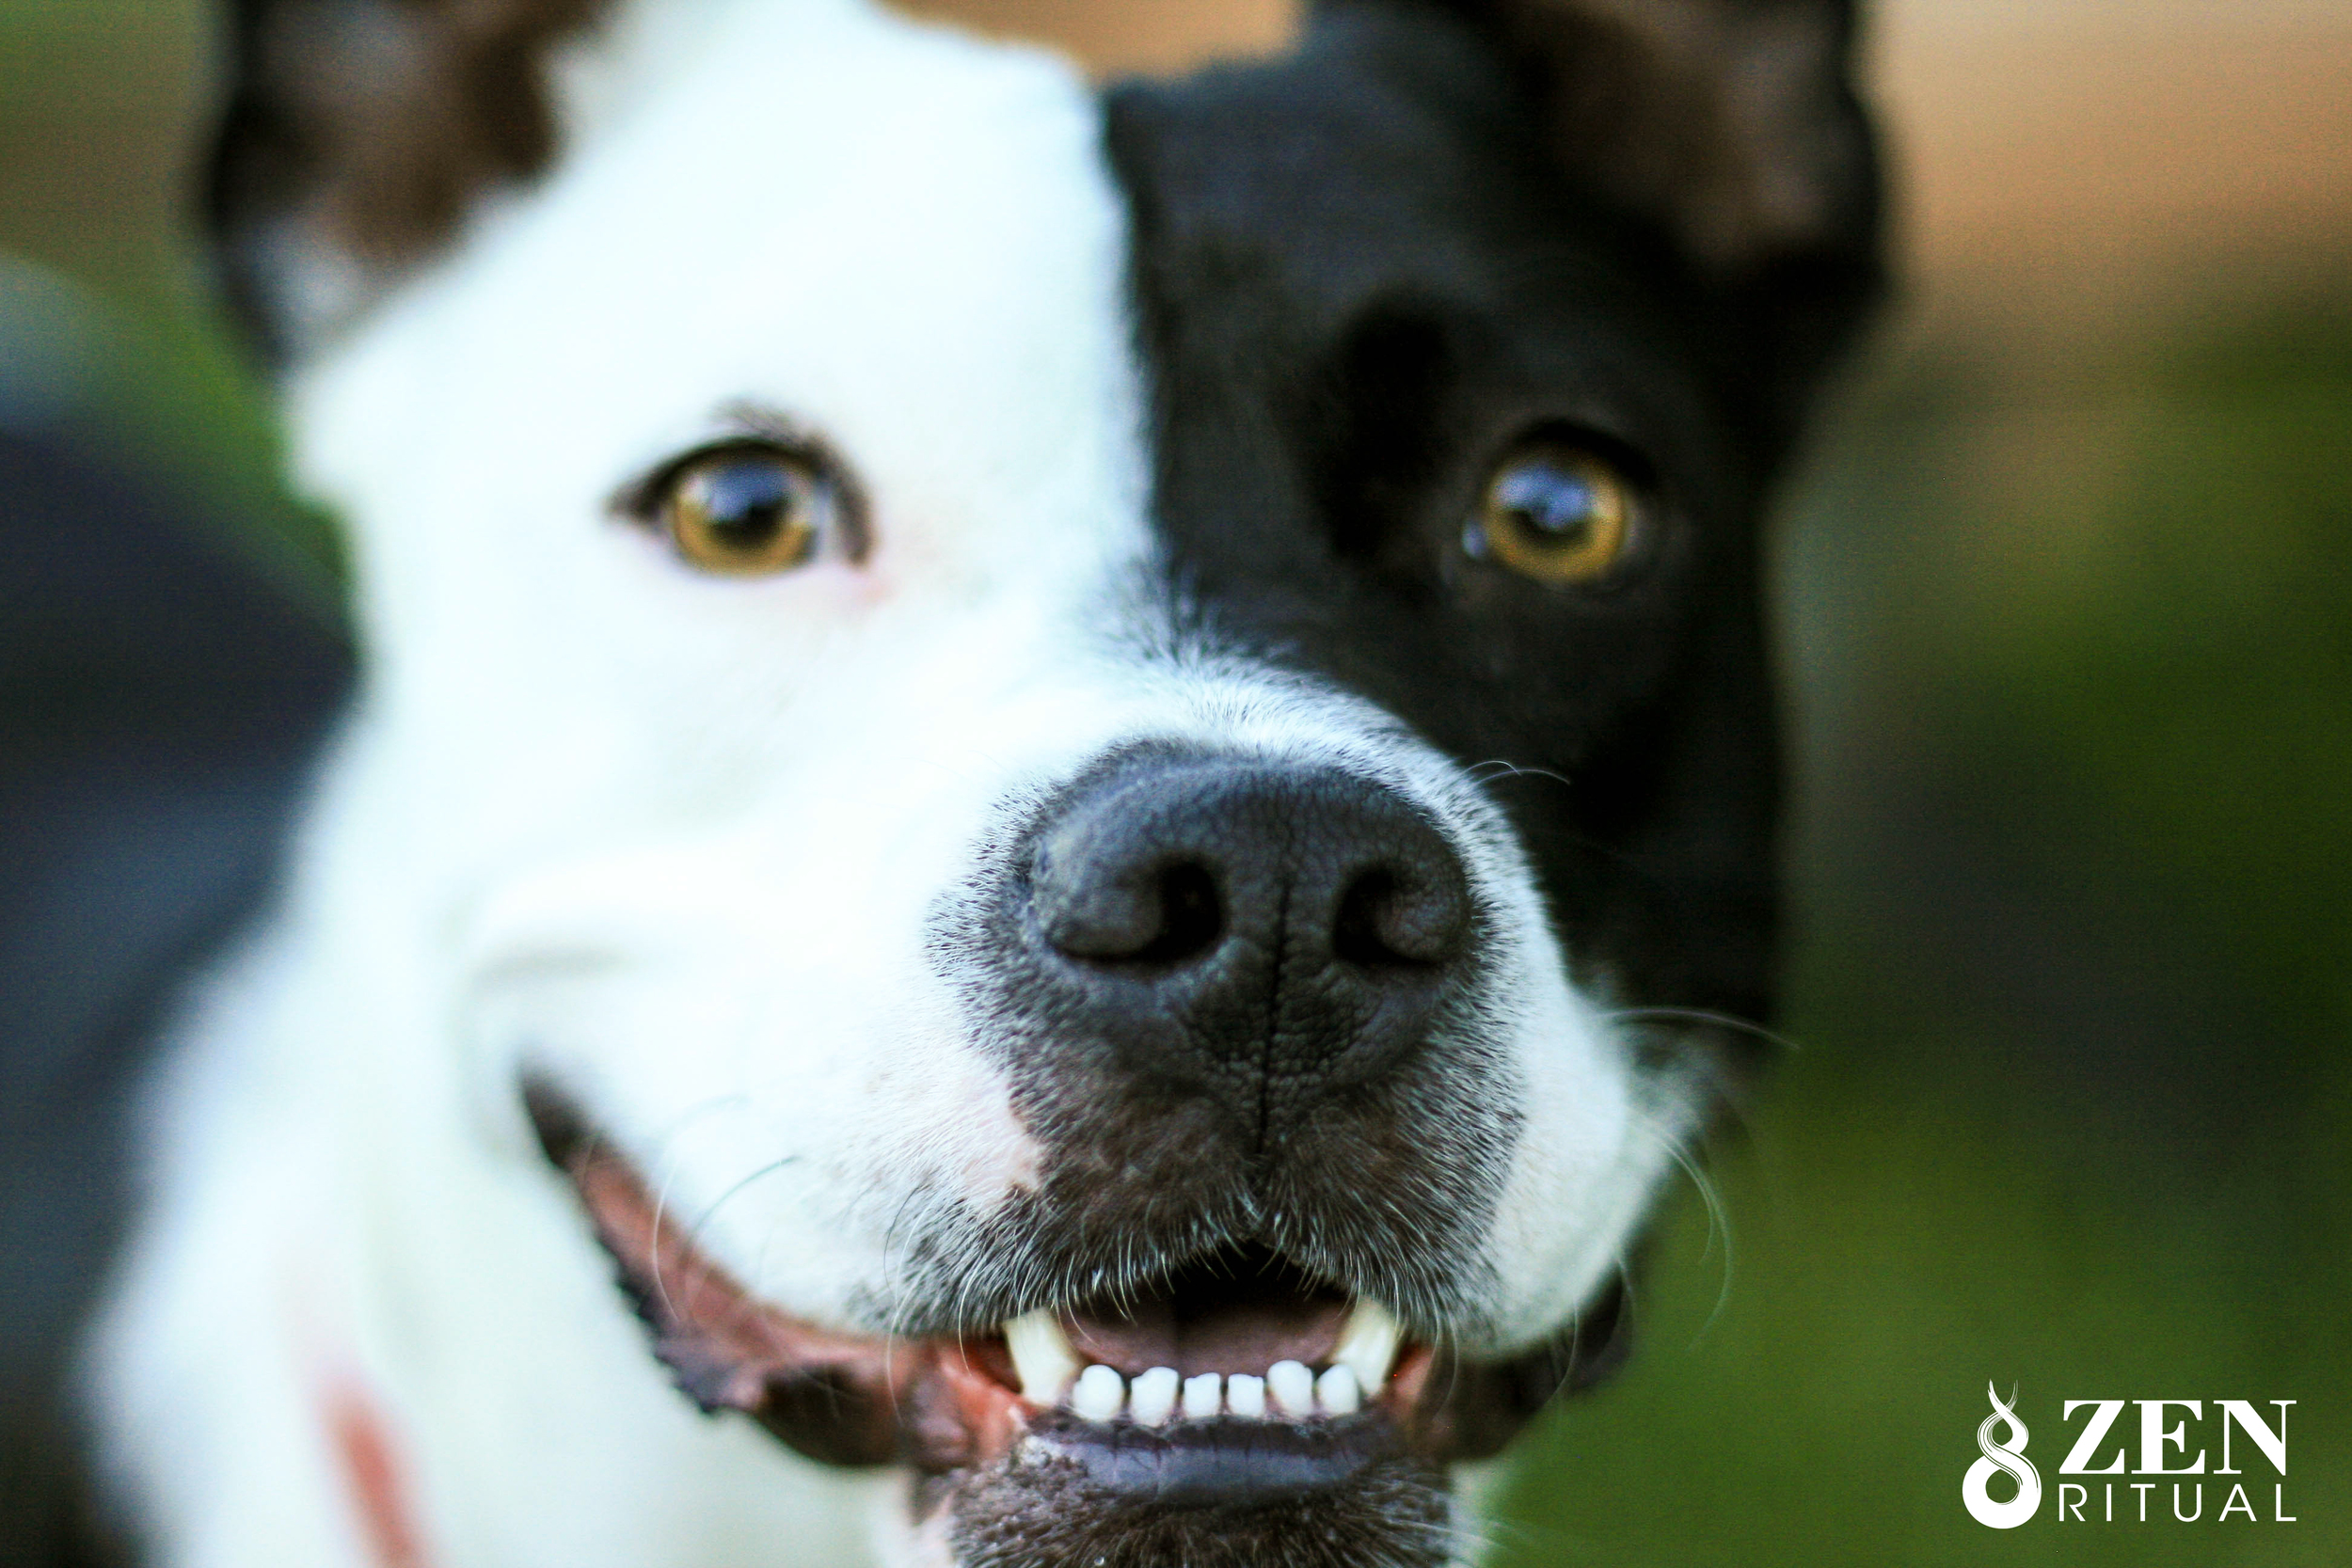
{"x":745,"y":509}
{"x":1557,"y":512}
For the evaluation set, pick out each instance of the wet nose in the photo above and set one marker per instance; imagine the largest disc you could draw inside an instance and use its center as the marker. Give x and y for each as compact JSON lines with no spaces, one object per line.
{"x":1261,"y":931}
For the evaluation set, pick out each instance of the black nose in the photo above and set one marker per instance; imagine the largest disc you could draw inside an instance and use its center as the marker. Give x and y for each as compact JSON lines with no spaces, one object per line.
{"x":1264,"y":933}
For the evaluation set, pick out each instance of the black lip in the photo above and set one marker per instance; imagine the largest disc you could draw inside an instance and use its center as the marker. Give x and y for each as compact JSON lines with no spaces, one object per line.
{"x":1222,"y":1460}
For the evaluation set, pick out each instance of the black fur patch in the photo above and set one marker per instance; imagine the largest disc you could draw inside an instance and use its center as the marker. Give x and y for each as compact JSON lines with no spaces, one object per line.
{"x":1362,"y":274}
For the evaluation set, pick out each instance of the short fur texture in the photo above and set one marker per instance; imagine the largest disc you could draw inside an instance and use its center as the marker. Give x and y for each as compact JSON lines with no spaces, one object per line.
{"x":1164,"y":410}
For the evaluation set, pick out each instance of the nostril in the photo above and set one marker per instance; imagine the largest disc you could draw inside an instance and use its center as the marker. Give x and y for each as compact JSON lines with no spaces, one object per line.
{"x":1386,"y":920}
{"x":1191,"y":920}
{"x":1220,"y":885}
{"x":1136,"y":914}
{"x":1356,"y":936}
{"x":1255,"y":934}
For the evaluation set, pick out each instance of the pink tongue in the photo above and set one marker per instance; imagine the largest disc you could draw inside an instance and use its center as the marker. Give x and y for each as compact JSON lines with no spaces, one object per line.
{"x":1238,"y":1337}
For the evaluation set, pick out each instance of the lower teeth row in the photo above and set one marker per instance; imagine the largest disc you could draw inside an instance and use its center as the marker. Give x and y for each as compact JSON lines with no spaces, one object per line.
{"x":1288,"y":1389}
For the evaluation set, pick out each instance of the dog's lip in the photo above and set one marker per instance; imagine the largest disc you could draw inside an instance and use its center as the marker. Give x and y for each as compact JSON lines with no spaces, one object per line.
{"x":843,"y":1399}
{"x":944,"y":1404}
{"x":1209,"y":1462}
{"x":953,"y":1402}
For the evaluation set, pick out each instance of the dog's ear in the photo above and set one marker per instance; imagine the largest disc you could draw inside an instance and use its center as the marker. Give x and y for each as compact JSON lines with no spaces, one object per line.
{"x":1732,"y":122}
{"x":1733,"y":128}
{"x":360,"y":133}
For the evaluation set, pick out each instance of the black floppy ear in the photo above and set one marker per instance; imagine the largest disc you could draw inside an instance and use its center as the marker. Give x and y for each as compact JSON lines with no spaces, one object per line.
{"x":358,"y":134}
{"x":1732,"y":122}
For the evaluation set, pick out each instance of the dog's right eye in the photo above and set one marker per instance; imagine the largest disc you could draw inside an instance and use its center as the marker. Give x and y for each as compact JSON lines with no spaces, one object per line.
{"x":745,"y":508}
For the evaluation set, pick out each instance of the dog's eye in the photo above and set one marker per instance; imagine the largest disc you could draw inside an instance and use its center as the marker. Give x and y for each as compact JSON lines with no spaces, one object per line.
{"x":745,"y":509}
{"x":1557,"y":513}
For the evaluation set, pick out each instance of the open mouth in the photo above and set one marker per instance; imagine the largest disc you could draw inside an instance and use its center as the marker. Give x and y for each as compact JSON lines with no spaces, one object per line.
{"x":1235,"y":1373}
{"x":1236,"y":1376}
{"x":1241,"y":1333}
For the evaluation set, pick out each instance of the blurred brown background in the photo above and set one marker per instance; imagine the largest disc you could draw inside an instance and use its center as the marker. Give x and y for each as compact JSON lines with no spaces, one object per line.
{"x":2069,"y":629}
{"x":2052,"y":153}
{"x":2066,"y":168}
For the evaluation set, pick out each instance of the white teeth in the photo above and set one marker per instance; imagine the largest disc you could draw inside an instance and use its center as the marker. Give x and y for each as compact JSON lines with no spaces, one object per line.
{"x":1293,"y":1388}
{"x":1050,"y":1375}
{"x":1367,"y":1346}
{"x":1100,"y":1394}
{"x":1338,"y":1391}
{"x":1042,"y":1357}
{"x":1155,"y":1395}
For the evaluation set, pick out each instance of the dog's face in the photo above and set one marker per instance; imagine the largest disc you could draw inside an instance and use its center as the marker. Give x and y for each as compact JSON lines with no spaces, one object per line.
{"x":1046,"y":731}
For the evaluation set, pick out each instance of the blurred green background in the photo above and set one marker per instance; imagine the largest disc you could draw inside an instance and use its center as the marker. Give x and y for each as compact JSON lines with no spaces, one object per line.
{"x":2069,"y":634}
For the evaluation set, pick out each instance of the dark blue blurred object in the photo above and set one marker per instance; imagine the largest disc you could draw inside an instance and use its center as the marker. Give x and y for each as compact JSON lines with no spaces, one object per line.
{"x":159,"y":709}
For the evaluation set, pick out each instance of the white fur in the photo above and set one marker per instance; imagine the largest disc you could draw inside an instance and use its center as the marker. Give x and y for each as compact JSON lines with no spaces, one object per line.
{"x":676,"y":837}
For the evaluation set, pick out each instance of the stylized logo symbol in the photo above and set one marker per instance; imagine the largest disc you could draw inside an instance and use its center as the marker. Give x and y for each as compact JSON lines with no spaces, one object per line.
{"x":2009,"y":1456}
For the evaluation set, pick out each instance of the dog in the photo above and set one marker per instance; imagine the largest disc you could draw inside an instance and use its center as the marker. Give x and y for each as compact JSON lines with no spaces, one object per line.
{"x":1061,"y":802}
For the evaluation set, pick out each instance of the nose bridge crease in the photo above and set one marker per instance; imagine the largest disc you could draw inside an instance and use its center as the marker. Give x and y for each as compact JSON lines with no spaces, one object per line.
{"x":1269,"y":1047}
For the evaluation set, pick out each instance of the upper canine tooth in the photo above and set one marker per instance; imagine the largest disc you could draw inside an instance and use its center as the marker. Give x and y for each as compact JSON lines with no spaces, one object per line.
{"x":1041,"y":1358}
{"x":1368,"y":1345}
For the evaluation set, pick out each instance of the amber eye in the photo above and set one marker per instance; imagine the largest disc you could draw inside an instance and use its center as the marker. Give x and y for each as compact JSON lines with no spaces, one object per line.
{"x":1557,"y":513}
{"x":746,"y":510}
